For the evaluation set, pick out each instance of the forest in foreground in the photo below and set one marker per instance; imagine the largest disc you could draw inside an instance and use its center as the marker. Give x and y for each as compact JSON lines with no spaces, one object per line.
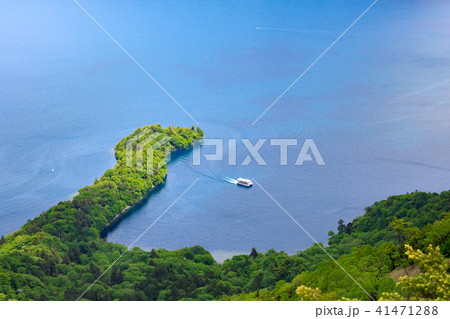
{"x":398,"y":249}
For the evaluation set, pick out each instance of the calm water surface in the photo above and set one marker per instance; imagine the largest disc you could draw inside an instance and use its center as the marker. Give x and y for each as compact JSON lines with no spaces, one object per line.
{"x":377,"y":106}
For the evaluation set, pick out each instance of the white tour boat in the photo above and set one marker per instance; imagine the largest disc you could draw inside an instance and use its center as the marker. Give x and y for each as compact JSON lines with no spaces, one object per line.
{"x":244,"y":182}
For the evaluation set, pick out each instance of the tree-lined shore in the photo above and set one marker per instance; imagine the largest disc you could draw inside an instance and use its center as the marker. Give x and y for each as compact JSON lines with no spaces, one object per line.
{"x":60,"y":254}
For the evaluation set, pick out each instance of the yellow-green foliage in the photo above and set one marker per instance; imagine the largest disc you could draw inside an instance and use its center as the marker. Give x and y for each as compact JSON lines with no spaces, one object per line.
{"x":59,"y":254}
{"x":309,"y":294}
{"x":370,"y":266}
{"x":433,"y":283}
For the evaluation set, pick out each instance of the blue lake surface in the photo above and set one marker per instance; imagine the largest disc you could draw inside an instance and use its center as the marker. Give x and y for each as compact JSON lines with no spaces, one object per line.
{"x":376,"y":105}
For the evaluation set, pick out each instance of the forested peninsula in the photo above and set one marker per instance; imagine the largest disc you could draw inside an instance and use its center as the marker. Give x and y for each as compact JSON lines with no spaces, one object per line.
{"x":398,"y":249}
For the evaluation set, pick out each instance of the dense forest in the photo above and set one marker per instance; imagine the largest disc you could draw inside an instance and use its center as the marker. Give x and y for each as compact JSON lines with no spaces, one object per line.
{"x":398,"y":249}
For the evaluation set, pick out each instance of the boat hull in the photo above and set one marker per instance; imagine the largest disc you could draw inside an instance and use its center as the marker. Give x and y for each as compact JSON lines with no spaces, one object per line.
{"x":244,"y":185}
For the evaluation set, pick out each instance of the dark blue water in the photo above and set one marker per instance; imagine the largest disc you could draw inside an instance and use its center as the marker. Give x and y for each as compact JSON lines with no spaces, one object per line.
{"x":376,"y":105}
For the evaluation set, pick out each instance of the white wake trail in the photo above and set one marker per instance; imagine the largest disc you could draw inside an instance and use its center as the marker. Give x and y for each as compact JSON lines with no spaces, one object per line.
{"x":230,"y":180}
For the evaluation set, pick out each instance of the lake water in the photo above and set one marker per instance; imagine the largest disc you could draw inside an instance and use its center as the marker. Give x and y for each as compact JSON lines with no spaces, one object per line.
{"x":376,"y":105}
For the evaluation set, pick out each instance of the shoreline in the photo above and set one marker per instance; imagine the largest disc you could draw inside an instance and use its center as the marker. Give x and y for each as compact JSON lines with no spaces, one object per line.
{"x":127,"y":209}
{"x":122,"y":213}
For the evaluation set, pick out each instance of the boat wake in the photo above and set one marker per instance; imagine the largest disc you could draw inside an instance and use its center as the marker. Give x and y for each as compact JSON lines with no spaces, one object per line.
{"x":230,"y":180}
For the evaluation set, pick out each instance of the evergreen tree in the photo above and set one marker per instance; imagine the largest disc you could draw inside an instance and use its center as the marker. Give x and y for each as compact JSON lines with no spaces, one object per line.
{"x":74,"y":255}
{"x":257,"y":282}
{"x":348,"y":228}
{"x":95,"y":271}
{"x":153,"y":254}
{"x":66,"y":260}
{"x":341,"y":226}
{"x":117,"y":276}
